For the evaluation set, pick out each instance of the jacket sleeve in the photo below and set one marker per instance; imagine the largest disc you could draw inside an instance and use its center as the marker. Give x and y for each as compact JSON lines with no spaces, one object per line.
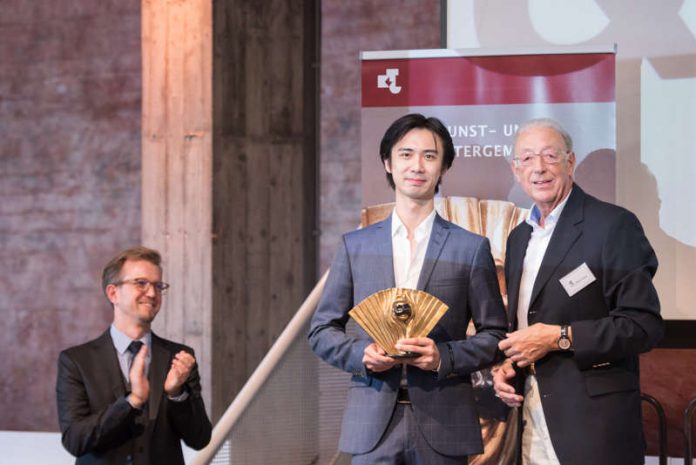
{"x":83,"y":430}
{"x":188,"y":417}
{"x":634,"y":324}
{"x":327,"y":334}
{"x":486,"y":307}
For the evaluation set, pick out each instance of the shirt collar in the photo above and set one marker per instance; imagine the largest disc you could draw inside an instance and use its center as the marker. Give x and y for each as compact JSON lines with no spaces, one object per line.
{"x":398,"y":228}
{"x":121,"y":341}
{"x":550,"y":221}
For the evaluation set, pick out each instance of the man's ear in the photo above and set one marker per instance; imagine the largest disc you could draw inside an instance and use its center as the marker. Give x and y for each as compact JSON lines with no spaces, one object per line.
{"x":439,"y":179}
{"x":387,"y":165}
{"x":111,"y":293}
{"x":571,"y":164}
{"x":514,"y":171}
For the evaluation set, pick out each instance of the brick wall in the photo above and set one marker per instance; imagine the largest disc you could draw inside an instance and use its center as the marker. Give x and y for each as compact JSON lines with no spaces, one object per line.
{"x":70,"y":94}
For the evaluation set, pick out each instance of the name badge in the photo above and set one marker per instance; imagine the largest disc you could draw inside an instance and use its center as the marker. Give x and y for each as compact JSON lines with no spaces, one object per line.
{"x":577,"y":280}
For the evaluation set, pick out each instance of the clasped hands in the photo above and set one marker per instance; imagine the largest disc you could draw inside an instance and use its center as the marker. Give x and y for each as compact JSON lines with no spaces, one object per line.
{"x":375,"y":358}
{"x":179,"y":371}
{"x":523,"y":347}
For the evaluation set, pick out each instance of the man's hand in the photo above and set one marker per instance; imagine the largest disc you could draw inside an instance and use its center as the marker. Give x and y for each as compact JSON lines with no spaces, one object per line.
{"x":528,"y":345}
{"x":375,"y":359}
{"x":181,"y":367}
{"x":140,"y":385}
{"x":502,"y":377}
{"x":429,"y":358}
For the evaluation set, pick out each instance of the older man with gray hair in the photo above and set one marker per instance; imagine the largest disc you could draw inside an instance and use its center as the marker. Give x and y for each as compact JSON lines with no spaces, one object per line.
{"x":583,"y":306}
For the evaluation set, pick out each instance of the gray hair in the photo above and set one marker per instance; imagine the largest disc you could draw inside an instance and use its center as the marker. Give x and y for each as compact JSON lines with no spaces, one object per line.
{"x":545,"y":123}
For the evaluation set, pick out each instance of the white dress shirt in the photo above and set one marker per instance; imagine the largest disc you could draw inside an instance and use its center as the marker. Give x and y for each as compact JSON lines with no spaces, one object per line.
{"x":407,"y":268}
{"x":536,"y":442}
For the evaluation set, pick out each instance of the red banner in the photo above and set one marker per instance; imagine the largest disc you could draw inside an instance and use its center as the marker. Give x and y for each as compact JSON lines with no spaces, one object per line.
{"x":498,"y":80}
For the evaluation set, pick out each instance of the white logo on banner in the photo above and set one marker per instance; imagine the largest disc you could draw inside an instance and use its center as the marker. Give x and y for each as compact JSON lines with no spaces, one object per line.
{"x":388,"y":80}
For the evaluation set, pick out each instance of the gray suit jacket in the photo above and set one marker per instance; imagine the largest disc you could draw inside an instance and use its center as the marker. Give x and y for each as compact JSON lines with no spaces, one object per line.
{"x":459,"y":270}
{"x":591,"y":396}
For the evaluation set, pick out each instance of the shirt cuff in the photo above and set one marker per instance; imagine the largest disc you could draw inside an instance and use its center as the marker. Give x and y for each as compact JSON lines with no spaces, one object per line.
{"x":180,"y":398}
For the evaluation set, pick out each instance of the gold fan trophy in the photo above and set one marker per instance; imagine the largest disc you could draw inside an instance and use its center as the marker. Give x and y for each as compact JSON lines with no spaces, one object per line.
{"x":398,"y":313}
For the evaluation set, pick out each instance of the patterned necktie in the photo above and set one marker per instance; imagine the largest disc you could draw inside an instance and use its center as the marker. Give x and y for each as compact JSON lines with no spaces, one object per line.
{"x":141,"y":418}
{"x":133,"y":348}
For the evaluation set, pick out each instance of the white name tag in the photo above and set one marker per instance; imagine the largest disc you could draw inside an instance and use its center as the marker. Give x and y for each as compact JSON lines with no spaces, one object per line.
{"x":577,"y":280}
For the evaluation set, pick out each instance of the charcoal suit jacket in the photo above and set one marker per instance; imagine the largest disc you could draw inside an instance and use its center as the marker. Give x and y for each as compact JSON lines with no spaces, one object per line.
{"x":459,"y":270}
{"x":591,"y":395}
{"x":98,"y":424}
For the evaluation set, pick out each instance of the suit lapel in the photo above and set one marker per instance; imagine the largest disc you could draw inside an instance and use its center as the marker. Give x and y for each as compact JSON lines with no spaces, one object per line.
{"x":383,"y":243}
{"x":159,"y":367}
{"x":106,"y":359}
{"x":438,"y":237}
{"x":515,"y":262}
{"x":564,"y":236}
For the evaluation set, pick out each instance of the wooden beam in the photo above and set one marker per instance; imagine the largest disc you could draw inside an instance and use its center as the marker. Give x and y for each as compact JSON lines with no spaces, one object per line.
{"x":177,"y":166}
{"x":264,"y":256}
{"x":229,"y":162}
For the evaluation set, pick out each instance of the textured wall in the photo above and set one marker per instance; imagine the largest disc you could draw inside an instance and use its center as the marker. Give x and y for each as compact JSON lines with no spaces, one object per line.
{"x":264,"y":165}
{"x":347,"y":29}
{"x":69,"y":184}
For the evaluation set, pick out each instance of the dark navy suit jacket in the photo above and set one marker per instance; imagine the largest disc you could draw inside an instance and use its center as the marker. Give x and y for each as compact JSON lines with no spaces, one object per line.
{"x":98,"y":424}
{"x":459,"y":270}
{"x":591,"y":396}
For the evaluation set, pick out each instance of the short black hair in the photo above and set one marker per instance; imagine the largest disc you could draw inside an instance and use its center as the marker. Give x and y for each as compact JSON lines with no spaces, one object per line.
{"x":401,"y":126}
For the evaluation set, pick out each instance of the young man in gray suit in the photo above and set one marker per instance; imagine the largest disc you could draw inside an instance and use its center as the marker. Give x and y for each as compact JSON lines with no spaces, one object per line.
{"x":579,"y":276}
{"x":422,"y":412}
{"x":129,"y":396}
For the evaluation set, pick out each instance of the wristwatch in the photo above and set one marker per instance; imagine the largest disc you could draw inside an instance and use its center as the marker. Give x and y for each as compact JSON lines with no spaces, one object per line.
{"x":564,"y":341}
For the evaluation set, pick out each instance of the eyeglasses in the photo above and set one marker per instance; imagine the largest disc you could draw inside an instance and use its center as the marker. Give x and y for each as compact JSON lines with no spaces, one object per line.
{"x":550,"y":157}
{"x":142,"y":284}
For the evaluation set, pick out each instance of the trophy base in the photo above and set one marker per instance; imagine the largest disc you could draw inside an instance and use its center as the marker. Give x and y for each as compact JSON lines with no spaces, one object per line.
{"x":401,"y":355}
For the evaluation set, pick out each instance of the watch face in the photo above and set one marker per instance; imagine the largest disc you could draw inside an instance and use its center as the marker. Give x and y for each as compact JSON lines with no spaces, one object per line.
{"x":564,"y":343}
